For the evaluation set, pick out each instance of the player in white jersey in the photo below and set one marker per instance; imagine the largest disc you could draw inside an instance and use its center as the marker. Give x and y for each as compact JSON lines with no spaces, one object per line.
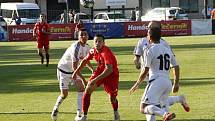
{"x":67,"y":64}
{"x":157,"y":64}
{"x":142,"y":44}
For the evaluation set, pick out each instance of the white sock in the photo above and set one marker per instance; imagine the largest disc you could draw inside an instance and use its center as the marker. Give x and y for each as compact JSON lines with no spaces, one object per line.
{"x":173,"y":99}
{"x":150,"y":117}
{"x":58,"y":102}
{"x":79,"y":100}
{"x":154,"y":110}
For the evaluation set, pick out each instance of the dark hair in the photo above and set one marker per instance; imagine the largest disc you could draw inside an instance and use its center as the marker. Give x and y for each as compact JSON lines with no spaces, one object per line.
{"x":155,"y":34}
{"x":83,"y":29}
{"x":100,"y":35}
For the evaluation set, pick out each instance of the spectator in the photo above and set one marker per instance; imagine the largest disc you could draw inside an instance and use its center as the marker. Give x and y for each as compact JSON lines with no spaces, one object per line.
{"x":18,"y":20}
{"x":208,"y":12}
{"x":137,"y":13}
{"x":133,"y":16}
{"x":78,"y":27}
{"x":70,"y":18}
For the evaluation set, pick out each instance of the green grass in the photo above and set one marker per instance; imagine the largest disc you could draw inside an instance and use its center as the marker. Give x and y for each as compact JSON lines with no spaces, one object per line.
{"x":29,"y":90}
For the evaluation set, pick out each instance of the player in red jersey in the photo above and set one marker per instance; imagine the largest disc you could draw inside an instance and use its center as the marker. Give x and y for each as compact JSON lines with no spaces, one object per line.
{"x":41,"y":32}
{"x":106,"y":73}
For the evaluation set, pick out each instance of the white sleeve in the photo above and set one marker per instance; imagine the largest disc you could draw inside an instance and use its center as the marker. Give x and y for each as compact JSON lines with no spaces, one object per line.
{"x":74,"y":52}
{"x":139,"y":47}
{"x":173,"y":61}
{"x":148,"y":55}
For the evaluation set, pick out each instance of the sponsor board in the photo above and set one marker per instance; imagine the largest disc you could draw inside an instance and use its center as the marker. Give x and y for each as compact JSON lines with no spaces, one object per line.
{"x":25,"y":32}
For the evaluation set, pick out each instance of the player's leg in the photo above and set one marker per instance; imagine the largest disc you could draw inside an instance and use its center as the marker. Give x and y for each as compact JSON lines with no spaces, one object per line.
{"x":80,"y":90}
{"x":46,"y":48}
{"x":111,"y":87}
{"x":150,"y":103}
{"x":178,"y":99}
{"x":86,"y":99}
{"x":40,"y":53}
{"x":63,"y":84}
{"x":150,"y":117}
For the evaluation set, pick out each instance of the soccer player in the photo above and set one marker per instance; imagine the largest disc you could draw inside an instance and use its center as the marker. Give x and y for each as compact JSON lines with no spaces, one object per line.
{"x":41,"y":32}
{"x":157,"y":64}
{"x":142,"y":44}
{"x":106,"y":73}
{"x":67,"y":64}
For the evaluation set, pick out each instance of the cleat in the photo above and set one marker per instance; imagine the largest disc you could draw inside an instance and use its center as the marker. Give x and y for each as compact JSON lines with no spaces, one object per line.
{"x":116,"y":116}
{"x":54,"y":115}
{"x":185,"y":104}
{"x":82,"y":118}
{"x":169,"y":116}
{"x":77,"y":117}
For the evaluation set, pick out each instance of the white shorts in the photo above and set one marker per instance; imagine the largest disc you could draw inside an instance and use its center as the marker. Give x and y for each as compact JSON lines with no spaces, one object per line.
{"x":157,"y":91}
{"x":64,"y":80}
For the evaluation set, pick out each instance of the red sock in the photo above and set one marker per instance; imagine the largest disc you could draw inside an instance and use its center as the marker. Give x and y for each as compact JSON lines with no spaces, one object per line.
{"x":115,"y":106}
{"x":86,"y":103}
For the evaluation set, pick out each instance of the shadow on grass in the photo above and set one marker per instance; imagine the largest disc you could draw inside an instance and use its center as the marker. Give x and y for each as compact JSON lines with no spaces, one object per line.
{"x":26,"y":77}
{"x":36,"y":113}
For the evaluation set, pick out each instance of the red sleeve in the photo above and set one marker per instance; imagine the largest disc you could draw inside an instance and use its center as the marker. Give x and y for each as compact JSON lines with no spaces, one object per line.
{"x":90,"y":54}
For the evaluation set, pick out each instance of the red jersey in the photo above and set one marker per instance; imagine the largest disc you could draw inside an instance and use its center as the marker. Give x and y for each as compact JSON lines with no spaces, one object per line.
{"x":102,"y":58}
{"x":40,"y":28}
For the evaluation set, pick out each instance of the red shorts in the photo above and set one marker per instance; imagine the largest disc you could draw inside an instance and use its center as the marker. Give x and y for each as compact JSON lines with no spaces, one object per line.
{"x":110,"y":82}
{"x":43,"y":43}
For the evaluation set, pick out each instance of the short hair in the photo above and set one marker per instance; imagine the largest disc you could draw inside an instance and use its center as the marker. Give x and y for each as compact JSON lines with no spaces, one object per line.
{"x":100,"y":35}
{"x":83,"y":29}
{"x":155,"y":34}
{"x":153,"y":24}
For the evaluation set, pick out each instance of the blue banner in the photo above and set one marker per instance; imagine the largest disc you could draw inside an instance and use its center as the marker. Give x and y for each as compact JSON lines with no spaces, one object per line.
{"x":109,"y":30}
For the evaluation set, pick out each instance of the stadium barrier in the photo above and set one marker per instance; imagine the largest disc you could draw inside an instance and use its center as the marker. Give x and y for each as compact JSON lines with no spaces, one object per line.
{"x":109,"y":30}
{"x":201,"y":26}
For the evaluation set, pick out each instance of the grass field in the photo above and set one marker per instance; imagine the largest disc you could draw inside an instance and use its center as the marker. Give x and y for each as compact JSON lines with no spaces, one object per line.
{"x":28,"y":90}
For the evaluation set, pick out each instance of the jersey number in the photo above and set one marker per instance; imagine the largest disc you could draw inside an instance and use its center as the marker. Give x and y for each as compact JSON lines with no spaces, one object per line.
{"x":164,"y":61}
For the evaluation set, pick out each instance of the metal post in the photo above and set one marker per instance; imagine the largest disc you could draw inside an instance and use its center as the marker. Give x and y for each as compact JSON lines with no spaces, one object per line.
{"x":206,"y":8}
{"x":67,"y":11}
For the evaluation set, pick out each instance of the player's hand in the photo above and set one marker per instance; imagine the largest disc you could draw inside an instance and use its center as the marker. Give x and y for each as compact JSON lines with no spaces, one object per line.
{"x":73,"y":77}
{"x":135,"y":87}
{"x":175,"y":88}
{"x":137,"y":64}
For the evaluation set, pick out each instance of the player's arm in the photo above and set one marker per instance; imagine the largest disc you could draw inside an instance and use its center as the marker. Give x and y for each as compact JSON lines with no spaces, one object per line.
{"x":74,"y":65}
{"x":176,"y":74}
{"x":137,"y":61}
{"x":138,"y":51}
{"x":141,"y":78}
{"x":79,"y":68}
{"x":107,"y":71}
{"x":90,"y":66}
{"x":35,"y":31}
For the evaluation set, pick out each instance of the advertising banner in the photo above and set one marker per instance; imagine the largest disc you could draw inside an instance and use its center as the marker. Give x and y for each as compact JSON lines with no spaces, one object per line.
{"x":176,"y":27}
{"x":169,"y":28}
{"x":109,"y":30}
{"x":25,"y":32}
{"x":135,"y":29}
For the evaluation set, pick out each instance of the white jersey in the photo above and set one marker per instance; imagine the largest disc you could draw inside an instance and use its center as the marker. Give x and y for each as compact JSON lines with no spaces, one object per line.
{"x":143,"y":43}
{"x":158,"y":58}
{"x":74,"y":53}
